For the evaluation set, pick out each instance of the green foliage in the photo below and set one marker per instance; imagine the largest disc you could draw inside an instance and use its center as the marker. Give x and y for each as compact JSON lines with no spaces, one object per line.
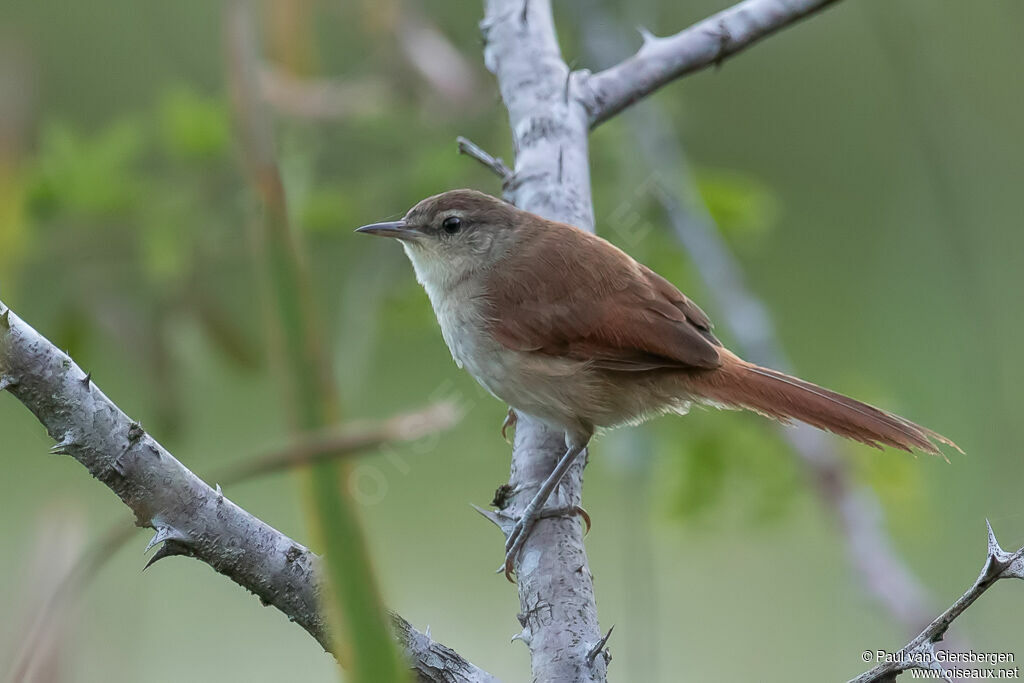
{"x":193,"y":127}
{"x":95,"y":176}
{"x":728,"y":461}
{"x":740,"y":203}
{"x":164,"y":254}
{"x":136,"y":214}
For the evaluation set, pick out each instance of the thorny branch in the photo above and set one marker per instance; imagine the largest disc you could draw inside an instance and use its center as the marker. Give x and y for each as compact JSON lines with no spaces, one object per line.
{"x":551,"y":178}
{"x":919,"y":653}
{"x":189,"y":517}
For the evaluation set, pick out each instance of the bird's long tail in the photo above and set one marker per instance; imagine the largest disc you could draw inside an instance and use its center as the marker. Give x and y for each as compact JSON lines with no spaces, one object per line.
{"x":739,"y":384}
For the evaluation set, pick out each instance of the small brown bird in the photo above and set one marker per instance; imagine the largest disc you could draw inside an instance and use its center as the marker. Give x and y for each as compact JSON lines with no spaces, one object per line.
{"x":564,"y":326}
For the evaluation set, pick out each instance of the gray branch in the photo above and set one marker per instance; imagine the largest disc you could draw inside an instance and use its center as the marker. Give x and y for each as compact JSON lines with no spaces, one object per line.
{"x":551,"y":177}
{"x":707,"y":43}
{"x":189,"y":517}
{"x":920,"y":652}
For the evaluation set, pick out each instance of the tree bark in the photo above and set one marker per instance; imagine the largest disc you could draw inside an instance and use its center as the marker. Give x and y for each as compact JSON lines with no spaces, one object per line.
{"x":551,"y":177}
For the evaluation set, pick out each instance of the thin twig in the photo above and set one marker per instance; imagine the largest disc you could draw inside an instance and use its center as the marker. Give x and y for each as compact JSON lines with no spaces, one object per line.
{"x":322,"y":98}
{"x":336,"y":443}
{"x":920,"y":653}
{"x":494,"y":164}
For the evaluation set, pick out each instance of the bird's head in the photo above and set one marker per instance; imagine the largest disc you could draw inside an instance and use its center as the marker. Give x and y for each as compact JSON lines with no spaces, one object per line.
{"x":451,"y":235}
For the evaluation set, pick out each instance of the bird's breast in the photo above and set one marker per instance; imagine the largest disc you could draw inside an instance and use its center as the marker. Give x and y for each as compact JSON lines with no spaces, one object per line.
{"x":465,"y":331}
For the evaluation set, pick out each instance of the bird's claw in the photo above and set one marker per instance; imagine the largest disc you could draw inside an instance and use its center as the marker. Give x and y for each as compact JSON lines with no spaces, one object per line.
{"x":585,"y":516}
{"x":510,"y":421}
{"x":521,"y":531}
{"x":514,"y":543}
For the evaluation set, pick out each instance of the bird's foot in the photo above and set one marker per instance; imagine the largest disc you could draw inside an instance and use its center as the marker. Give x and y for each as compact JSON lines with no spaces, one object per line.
{"x":510,"y":421}
{"x":524,"y":525}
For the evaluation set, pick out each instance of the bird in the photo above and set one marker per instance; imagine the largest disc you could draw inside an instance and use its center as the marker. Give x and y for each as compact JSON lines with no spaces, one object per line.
{"x":564,"y":326}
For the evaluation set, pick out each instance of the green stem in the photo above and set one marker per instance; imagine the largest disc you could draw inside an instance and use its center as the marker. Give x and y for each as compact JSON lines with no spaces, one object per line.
{"x":351,"y":599}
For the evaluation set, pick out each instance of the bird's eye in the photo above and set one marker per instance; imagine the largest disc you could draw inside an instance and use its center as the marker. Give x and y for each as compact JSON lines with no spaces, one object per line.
{"x":452,"y":224}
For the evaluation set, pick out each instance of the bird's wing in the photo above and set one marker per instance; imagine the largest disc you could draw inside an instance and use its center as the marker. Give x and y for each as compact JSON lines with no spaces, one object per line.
{"x":569,"y":293}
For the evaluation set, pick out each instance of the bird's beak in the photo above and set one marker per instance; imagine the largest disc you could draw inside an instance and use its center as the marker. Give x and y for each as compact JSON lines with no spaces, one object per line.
{"x":396,"y":229}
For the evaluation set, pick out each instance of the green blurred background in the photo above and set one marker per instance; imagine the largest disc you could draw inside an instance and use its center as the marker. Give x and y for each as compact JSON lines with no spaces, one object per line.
{"x":865,"y":167}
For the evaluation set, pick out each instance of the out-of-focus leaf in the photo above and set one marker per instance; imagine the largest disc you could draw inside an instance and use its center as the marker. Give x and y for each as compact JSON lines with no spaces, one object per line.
{"x":14,"y":237}
{"x":703,"y":475}
{"x":895,"y":477}
{"x":193,"y":127}
{"x":93,"y":175}
{"x":738,"y":202}
{"x":729,"y":460}
{"x":163,"y":250}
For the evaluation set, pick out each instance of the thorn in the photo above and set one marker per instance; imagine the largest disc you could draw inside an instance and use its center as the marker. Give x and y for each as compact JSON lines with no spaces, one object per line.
{"x":596,"y":650}
{"x":5,"y":319}
{"x":1001,"y":563}
{"x":993,"y":545}
{"x":87,"y":380}
{"x":61,"y":447}
{"x":493,"y":517}
{"x":220,"y":494}
{"x":998,"y":559}
{"x":165,"y":533}
{"x":166,"y":550}
{"x":647,"y":36}
{"x":523,"y":636}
